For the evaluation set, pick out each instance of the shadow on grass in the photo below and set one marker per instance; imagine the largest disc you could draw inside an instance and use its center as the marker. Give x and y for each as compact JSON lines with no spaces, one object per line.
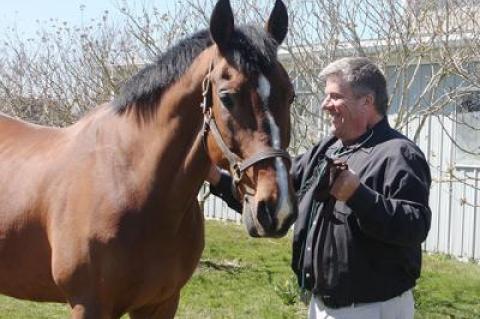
{"x":228,"y":266}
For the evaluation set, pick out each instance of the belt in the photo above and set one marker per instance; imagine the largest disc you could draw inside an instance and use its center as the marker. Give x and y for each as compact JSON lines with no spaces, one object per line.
{"x":335,"y":303}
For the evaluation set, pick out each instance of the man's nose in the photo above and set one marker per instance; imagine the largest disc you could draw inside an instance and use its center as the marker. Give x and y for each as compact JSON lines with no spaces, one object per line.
{"x":325,"y":104}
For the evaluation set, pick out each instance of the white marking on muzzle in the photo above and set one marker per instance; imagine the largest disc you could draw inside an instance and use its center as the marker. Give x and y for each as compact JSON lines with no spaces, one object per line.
{"x":263,"y":89}
{"x":284,"y":206}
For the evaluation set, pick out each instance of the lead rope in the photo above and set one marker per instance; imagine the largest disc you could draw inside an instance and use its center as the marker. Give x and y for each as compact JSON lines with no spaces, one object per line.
{"x":338,"y":165}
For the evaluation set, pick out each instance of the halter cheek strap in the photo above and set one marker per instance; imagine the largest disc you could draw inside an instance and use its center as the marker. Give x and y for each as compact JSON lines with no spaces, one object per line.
{"x":238,"y":166}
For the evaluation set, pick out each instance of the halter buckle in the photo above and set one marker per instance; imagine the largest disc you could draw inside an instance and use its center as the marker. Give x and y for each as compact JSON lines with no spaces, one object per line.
{"x":237,"y":173}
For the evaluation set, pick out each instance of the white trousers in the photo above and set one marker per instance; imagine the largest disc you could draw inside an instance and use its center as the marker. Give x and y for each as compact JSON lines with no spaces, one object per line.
{"x":400,"y":307}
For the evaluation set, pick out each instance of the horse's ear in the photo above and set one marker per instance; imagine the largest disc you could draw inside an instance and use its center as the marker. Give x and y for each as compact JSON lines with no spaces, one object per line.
{"x":277,"y":24}
{"x":222,"y":24}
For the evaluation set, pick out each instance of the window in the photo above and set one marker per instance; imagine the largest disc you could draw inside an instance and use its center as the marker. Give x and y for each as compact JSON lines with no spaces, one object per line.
{"x":467,"y":130}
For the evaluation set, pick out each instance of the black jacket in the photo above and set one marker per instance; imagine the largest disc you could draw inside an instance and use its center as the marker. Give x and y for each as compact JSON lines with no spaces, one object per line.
{"x":369,"y":248}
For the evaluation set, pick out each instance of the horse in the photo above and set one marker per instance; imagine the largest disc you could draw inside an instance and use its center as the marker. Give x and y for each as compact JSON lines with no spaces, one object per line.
{"x":103,"y":214}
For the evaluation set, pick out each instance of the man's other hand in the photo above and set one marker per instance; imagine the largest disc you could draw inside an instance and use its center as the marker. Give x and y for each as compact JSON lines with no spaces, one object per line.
{"x":345,"y":185}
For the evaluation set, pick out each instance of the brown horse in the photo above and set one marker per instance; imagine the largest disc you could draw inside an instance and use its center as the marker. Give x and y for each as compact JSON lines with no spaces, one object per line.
{"x":103,"y":214}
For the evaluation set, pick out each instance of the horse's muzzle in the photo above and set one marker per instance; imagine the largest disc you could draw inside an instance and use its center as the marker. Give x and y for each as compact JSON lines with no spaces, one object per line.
{"x":267,"y":219}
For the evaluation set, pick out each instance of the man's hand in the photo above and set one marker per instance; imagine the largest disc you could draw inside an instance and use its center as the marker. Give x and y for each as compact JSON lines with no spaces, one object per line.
{"x":345,"y":185}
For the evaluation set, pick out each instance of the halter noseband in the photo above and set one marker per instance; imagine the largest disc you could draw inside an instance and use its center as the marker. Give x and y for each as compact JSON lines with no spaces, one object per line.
{"x":238,"y":166}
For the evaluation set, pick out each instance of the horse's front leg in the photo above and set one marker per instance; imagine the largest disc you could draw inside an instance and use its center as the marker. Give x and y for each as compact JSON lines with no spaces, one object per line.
{"x":90,"y":310}
{"x":164,"y":310}
{"x":85,"y":295}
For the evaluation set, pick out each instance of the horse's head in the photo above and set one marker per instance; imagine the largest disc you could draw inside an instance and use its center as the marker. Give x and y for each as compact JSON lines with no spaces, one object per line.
{"x":248,"y":95}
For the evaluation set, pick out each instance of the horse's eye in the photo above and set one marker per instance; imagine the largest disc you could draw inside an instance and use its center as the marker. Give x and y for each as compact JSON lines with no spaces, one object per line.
{"x":226,"y":99}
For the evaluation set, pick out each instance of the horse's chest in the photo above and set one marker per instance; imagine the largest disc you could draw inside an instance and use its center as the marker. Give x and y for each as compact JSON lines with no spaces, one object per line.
{"x":163,"y":253}
{"x":165,"y":265}
{"x":140,"y":257}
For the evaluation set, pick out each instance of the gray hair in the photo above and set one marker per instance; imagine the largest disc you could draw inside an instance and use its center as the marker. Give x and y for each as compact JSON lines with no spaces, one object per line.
{"x":363,"y":76}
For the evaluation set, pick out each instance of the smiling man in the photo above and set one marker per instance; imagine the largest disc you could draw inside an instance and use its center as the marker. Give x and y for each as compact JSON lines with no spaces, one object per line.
{"x":358,"y":249}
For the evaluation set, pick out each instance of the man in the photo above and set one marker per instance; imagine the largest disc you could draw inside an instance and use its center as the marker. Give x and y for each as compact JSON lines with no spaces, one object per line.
{"x":360,"y":253}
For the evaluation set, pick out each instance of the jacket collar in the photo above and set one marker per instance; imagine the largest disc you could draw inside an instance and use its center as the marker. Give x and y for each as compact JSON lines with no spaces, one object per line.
{"x":367,"y":140}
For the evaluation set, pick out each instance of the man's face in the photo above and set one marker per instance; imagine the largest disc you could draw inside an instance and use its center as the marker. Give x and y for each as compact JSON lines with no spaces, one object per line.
{"x":349,"y":113}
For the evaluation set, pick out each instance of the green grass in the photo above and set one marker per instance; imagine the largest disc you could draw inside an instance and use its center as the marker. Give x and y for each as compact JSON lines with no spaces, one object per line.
{"x":448,"y":289}
{"x":241,"y":277}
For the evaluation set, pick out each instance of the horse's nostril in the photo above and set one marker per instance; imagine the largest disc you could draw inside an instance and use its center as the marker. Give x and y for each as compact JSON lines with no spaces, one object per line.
{"x":265,"y":213}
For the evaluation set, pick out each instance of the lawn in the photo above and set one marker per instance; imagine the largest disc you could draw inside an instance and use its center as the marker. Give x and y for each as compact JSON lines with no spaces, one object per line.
{"x":241,"y":277}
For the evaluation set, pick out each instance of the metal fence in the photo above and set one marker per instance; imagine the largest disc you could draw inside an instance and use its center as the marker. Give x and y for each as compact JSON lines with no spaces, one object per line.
{"x":455,"y":192}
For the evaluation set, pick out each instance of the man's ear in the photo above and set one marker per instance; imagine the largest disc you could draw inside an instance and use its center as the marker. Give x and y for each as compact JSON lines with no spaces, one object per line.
{"x":370,"y":107}
{"x":370,"y":101}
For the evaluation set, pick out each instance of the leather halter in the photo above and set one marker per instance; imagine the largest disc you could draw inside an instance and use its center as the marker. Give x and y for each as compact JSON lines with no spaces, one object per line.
{"x":238,"y":166}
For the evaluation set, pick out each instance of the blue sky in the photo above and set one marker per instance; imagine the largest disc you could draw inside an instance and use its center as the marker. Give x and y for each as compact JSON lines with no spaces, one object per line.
{"x":24,"y":13}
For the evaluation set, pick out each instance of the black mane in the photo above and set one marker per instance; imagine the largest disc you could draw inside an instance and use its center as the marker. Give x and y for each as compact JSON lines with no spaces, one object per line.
{"x":251,"y":49}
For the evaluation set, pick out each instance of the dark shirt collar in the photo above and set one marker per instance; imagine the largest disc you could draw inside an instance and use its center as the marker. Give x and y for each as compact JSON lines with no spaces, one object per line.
{"x":382,"y":125}
{"x":367,"y":138}
{"x":378,"y":127}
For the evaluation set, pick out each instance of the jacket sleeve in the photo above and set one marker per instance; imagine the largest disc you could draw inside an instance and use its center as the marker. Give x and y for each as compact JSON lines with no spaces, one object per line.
{"x":300,"y":164}
{"x":297,"y":170}
{"x":224,"y":190}
{"x":400,"y":213}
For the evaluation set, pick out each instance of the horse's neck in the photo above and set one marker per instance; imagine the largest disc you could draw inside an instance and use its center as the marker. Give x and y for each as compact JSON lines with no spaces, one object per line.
{"x":180,"y":121}
{"x":166,"y":152}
